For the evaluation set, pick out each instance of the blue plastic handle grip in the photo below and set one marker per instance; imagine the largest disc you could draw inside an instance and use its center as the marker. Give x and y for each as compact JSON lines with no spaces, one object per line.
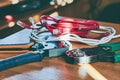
{"x":20,"y":60}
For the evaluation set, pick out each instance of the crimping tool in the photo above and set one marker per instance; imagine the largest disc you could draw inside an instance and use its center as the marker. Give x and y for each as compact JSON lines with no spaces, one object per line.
{"x":37,"y":50}
{"x":101,"y":53}
{"x":37,"y":53}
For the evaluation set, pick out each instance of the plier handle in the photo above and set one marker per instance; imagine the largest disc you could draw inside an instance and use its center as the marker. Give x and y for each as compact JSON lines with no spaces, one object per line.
{"x":101,"y":53}
{"x":36,"y":54}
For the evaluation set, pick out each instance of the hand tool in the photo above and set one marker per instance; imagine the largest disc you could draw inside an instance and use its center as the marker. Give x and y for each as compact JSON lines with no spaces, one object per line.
{"x":101,"y":53}
{"x":37,"y":53}
{"x":36,"y":50}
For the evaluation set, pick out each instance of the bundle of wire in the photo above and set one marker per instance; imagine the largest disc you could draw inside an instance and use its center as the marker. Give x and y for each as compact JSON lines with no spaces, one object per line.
{"x":40,"y":34}
{"x":71,"y":30}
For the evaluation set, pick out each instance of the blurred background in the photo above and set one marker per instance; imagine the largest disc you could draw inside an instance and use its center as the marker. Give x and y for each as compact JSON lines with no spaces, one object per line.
{"x":13,"y":10}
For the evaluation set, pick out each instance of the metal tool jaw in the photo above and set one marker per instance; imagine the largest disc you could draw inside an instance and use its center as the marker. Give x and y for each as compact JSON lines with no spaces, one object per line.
{"x":56,"y":52}
{"x":51,"y":49}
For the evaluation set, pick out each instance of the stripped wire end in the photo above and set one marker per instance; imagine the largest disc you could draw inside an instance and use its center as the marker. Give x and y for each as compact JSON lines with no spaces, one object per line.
{"x":23,"y":25}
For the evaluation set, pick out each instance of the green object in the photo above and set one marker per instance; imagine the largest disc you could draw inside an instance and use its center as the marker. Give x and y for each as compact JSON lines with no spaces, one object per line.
{"x":117,"y":57}
{"x":111,"y":46}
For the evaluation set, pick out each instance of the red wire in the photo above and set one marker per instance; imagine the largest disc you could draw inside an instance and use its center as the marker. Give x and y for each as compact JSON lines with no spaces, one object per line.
{"x":70,"y":26}
{"x":24,"y":25}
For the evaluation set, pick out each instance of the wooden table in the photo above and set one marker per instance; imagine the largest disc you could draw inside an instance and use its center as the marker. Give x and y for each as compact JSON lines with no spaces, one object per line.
{"x":58,"y":69}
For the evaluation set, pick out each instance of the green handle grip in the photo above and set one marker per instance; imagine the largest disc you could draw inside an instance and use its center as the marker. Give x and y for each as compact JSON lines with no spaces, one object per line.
{"x":112,"y":46}
{"x":117,"y":57}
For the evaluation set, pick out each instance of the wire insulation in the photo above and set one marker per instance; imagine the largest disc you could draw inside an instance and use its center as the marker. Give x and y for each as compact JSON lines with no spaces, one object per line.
{"x":71,"y":30}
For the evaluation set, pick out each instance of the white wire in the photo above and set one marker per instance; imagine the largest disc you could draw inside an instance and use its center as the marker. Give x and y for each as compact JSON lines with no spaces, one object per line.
{"x":34,"y":34}
{"x":39,"y":40}
{"x":32,"y":21}
{"x":74,"y":37}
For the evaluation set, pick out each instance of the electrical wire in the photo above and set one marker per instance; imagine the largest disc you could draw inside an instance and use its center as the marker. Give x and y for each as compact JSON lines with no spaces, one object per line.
{"x":74,"y":37}
{"x":53,"y":23}
{"x":41,"y":35}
